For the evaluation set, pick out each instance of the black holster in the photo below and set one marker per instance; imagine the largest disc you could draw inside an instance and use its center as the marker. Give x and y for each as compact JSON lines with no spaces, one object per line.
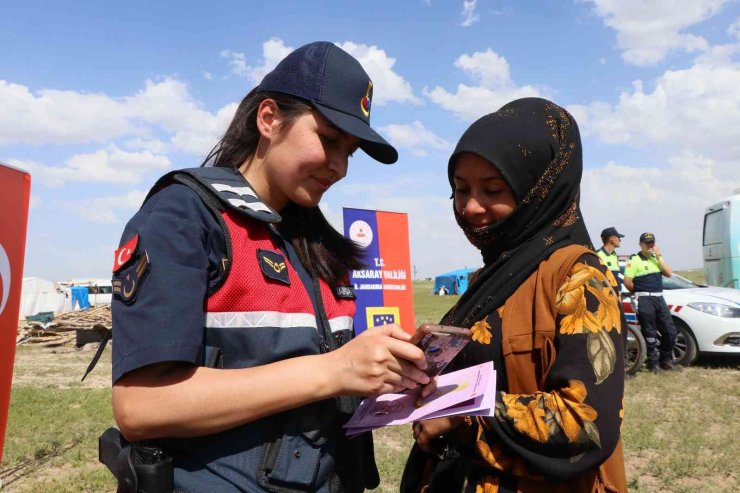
{"x":140,"y":467}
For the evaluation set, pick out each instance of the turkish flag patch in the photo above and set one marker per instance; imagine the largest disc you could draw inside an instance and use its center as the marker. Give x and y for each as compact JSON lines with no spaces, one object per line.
{"x":124,"y":254}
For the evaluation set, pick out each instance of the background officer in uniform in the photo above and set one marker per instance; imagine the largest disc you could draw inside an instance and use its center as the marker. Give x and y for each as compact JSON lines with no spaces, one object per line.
{"x":611,"y":240}
{"x":644,"y":277}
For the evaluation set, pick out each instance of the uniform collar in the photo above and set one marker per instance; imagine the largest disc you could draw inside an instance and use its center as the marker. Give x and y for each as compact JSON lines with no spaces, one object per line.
{"x":233,"y":191}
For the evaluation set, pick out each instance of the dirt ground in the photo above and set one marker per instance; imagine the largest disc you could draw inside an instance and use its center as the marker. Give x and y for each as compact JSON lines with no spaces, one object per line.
{"x":60,"y":367}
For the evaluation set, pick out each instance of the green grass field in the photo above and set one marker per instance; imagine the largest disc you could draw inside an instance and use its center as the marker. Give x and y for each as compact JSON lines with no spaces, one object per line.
{"x":680,"y":433}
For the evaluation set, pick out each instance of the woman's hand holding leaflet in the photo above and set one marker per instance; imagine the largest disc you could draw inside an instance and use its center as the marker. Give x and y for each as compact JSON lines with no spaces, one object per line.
{"x":425,"y":432}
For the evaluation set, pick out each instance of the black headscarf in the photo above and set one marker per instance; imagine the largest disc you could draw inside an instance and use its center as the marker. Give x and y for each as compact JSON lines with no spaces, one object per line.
{"x":536,"y":146}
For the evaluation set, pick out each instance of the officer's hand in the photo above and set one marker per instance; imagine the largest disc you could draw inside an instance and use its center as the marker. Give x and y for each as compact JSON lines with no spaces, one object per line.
{"x":378,"y":361}
{"x":656,"y":250}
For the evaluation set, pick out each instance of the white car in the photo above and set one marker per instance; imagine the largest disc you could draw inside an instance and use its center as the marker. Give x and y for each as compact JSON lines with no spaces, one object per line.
{"x":707,"y":318}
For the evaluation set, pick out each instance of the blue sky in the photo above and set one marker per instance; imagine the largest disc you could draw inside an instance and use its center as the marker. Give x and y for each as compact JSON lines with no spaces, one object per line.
{"x":97,"y":99}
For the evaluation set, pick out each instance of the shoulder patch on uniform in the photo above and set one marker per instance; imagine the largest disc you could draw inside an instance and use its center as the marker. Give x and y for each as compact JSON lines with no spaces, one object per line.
{"x":127,"y":282}
{"x":122,"y":256}
{"x":345,"y":292}
{"x":273,"y":265}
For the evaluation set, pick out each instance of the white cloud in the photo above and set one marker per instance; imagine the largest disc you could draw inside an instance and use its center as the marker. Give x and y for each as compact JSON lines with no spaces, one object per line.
{"x":388,"y":86}
{"x":154,"y":145}
{"x":163,"y":108}
{"x":495,"y":87}
{"x":668,"y":201}
{"x":273,"y":50}
{"x":734,"y":29}
{"x":692,"y":109}
{"x":647,"y":31}
{"x":35,"y":202}
{"x":103,"y":209}
{"x":168,"y":106}
{"x":207,"y":75}
{"x":53,"y":116}
{"x":198,"y":137}
{"x":718,"y":56}
{"x":111,"y":165}
{"x":415,"y":137}
{"x":468,"y":14}
{"x":237,"y":61}
{"x":485,"y":67}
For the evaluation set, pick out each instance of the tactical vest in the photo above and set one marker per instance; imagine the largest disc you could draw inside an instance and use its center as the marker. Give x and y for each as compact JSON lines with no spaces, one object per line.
{"x":265,"y":307}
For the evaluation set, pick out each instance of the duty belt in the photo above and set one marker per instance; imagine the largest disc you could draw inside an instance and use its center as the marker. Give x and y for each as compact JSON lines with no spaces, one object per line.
{"x":646,"y":293}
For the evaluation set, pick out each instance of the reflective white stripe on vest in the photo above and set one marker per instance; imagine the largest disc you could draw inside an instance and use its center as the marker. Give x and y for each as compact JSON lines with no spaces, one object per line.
{"x":340,"y":323}
{"x":243,"y":191}
{"x":272,"y":319}
{"x":255,"y":206}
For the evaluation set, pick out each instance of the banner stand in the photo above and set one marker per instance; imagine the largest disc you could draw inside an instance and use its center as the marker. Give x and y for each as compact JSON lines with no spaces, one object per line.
{"x":383,"y":289}
{"x":16,"y":191}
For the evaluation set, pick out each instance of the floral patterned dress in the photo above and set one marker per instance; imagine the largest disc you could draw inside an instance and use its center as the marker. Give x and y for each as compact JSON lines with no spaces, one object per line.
{"x":556,"y":433}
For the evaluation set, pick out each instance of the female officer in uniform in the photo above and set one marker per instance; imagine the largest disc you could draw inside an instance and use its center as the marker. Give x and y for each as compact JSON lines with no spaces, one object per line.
{"x":232,"y":311}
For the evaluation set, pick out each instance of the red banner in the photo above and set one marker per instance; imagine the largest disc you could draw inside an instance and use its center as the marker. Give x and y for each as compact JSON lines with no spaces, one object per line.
{"x":393,"y":239}
{"x":16,"y":190}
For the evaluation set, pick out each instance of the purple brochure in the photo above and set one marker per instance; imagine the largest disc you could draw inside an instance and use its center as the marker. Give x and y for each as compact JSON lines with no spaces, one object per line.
{"x":470,"y":390}
{"x":483,"y":405}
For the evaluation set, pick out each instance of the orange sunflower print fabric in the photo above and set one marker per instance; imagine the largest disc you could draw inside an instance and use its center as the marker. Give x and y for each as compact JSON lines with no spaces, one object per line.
{"x":574,"y":422}
{"x":572,"y":302}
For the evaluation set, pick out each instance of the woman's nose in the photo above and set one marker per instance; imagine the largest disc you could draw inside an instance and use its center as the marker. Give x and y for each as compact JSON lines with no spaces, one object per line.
{"x":472,"y":206}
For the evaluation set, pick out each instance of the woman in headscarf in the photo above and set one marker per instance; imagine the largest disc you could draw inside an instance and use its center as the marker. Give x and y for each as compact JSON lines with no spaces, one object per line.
{"x":543,"y":308}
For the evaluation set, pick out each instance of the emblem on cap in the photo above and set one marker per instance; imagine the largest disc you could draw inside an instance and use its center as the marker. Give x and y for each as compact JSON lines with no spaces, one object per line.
{"x":366,"y":100}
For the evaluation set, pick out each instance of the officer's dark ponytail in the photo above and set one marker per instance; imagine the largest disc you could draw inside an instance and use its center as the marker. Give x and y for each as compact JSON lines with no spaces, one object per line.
{"x":321,"y":249}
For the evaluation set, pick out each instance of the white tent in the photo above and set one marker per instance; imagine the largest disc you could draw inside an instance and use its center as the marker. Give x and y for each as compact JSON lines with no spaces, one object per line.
{"x":100,"y":291}
{"x":40,"y":295}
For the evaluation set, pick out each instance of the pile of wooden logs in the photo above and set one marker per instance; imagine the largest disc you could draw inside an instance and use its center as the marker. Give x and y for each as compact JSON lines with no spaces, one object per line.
{"x":65,"y":327}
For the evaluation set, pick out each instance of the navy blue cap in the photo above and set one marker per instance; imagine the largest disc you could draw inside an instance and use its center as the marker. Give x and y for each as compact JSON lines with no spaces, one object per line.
{"x":647,"y":238}
{"x":337,"y":86}
{"x":611,"y":231}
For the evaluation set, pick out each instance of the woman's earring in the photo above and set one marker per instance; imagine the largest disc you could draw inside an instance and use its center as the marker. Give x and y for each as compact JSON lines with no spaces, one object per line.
{"x":462,"y":212}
